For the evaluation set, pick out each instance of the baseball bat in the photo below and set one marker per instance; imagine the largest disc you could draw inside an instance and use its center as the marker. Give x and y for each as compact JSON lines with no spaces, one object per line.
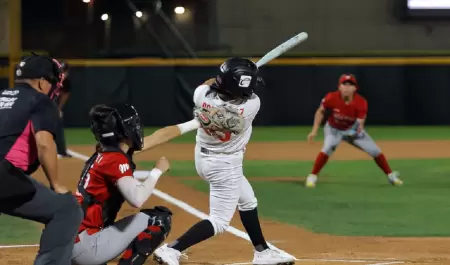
{"x":282,"y":48}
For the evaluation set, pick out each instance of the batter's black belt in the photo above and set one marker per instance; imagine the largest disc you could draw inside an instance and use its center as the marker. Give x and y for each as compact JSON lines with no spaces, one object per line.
{"x":14,"y":182}
{"x":206,"y":151}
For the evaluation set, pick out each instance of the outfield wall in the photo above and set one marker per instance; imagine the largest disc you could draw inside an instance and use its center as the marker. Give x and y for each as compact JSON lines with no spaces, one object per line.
{"x":401,"y":91}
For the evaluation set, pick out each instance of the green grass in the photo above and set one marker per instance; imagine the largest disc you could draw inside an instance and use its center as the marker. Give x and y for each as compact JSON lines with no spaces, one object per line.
{"x":353,"y":197}
{"x":79,"y":136}
{"x":18,"y":231}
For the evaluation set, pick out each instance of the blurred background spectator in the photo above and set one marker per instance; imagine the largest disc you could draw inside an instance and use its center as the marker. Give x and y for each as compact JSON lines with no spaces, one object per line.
{"x":62,"y":100}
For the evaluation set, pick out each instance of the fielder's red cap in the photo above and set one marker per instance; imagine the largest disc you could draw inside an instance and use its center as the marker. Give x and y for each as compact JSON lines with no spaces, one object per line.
{"x":348,"y":78}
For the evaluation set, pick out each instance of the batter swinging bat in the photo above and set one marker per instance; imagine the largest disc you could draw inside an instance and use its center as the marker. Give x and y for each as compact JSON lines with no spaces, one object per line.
{"x":282,"y":48}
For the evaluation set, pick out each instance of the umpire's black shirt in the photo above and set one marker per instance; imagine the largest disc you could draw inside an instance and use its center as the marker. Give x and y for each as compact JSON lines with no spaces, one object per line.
{"x":23,"y":112}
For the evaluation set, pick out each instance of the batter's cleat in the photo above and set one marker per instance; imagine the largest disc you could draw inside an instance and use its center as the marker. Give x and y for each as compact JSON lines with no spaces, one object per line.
{"x":394,"y":179}
{"x":167,"y":256}
{"x":272,"y":257}
{"x":311,"y":181}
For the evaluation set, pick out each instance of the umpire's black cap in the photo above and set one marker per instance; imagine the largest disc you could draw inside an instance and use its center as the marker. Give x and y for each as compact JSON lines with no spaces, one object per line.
{"x":36,"y":66}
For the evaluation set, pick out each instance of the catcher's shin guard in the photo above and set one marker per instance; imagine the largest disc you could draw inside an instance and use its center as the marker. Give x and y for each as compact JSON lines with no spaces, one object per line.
{"x":147,"y":241}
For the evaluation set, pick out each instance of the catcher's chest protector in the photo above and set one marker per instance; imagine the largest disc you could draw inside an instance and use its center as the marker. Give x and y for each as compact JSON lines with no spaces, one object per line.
{"x":110,"y":206}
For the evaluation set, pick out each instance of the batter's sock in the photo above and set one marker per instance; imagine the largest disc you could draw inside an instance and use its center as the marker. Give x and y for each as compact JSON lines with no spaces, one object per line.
{"x":251,"y":224}
{"x":196,"y":234}
{"x":383,"y":164}
{"x":321,"y":160}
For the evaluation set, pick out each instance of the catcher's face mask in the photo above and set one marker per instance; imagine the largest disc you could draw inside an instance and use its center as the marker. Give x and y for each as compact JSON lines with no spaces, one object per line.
{"x":131,"y":124}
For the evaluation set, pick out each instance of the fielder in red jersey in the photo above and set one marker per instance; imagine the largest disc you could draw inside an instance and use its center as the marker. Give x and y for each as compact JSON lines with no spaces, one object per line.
{"x":348,"y":111}
{"x":344,"y":114}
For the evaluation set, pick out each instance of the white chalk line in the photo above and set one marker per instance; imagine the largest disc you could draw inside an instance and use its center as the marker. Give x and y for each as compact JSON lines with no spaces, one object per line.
{"x":388,"y":263}
{"x":368,"y":262}
{"x":19,"y":246}
{"x":188,"y":208}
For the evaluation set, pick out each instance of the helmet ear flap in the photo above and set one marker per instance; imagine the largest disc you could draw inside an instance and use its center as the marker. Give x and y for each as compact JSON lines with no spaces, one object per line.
{"x":120,"y":126}
{"x":106,"y":126}
{"x":114,"y":123}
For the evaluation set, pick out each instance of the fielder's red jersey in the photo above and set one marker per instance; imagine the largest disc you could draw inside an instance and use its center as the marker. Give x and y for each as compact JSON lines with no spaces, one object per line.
{"x":343,"y":115}
{"x":97,"y":191}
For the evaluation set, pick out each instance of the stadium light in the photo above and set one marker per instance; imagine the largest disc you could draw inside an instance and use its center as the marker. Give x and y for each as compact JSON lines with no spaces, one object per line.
{"x":86,"y":1}
{"x":138,"y":14}
{"x":104,"y":17}
{"x":179,"y":10}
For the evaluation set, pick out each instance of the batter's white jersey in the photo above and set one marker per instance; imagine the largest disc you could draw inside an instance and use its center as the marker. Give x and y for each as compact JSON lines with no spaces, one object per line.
{"x":220,"y":142}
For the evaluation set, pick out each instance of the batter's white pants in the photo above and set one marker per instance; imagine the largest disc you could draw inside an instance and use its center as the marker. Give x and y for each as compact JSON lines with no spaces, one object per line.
{"x":228,"y":186}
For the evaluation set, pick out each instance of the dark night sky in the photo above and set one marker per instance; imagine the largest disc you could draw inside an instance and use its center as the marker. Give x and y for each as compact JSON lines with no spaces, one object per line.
{"x":37,"y":10}
{"x":61,"y":28}
{"x":60,"y":11}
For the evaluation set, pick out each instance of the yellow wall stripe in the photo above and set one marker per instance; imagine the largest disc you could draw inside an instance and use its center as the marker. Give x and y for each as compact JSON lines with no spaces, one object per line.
{"x":280,"y":61}
{"x":349,"y":61}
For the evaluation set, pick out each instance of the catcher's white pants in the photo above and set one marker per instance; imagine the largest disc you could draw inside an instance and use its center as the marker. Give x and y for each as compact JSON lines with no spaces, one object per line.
{"x":228,"y":186}
{"x":108,"y":243}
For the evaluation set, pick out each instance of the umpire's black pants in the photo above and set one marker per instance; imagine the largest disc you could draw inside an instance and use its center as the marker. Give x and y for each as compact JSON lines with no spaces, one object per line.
{"x":60,"y":213}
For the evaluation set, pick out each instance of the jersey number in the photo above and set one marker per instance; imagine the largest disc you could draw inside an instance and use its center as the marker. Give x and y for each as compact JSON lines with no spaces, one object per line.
{"x":85,"y":182}
{"x":224,"y":137}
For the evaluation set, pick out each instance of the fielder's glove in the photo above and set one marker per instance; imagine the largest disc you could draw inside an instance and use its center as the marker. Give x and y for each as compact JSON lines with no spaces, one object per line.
{"x":222,"y":119}
{"x":353,"y":133}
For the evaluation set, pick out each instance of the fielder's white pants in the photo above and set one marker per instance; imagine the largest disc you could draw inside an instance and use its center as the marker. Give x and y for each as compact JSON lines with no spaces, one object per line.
{"x":228,"y":186}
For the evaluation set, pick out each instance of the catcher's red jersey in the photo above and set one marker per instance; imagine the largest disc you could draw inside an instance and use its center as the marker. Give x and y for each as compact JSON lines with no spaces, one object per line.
{"x":99,"y":186}
{"x":343,"y":115}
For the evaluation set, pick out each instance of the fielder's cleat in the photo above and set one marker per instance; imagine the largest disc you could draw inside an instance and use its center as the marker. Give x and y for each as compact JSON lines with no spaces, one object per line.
{"x":311,"y":181}
{"x":394,"y":179}
{"x":272,"y":257}
{"x":167,"y":256}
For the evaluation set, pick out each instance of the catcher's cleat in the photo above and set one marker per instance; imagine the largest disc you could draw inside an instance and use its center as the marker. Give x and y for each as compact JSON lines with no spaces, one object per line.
{"x":311,"y":181}
{"x":394,"y":179}
{"x":272,"y":257}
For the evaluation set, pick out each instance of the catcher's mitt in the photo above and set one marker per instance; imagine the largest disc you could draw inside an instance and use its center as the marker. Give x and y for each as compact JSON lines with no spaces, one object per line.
{"x":220,"y":119}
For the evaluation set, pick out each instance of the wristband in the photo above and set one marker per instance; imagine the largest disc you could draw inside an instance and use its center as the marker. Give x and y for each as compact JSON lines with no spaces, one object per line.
{"x":188,"y":126}
{"x":155,"y":173}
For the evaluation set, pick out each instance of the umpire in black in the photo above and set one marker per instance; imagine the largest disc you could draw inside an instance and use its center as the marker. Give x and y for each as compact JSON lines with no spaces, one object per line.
{"x":28,"y":121}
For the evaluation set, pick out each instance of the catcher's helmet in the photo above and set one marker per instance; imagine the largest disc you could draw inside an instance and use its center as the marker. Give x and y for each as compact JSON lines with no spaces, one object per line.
{"x":238,"y":78}
{"x":350,"y":78}
{"x":112,"y":124}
